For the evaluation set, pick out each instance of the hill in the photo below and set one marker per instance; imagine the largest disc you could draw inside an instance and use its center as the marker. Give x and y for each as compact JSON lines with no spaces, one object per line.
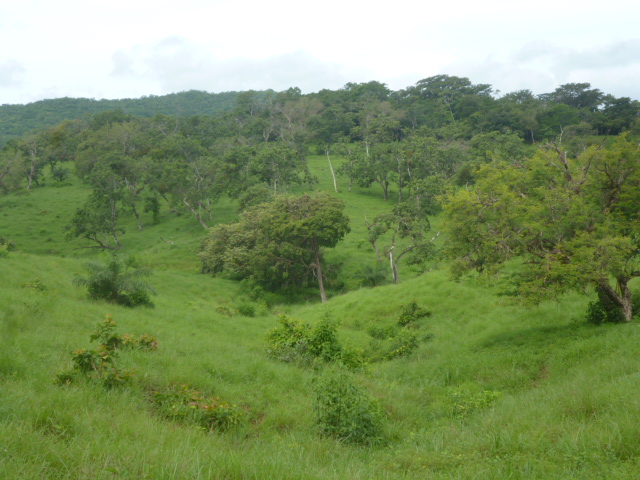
{"x":16,"y":120}
{"x":490,"y":390}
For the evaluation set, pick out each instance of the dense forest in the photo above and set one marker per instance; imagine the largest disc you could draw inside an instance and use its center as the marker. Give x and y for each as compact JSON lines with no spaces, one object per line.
{"x":438,"y":281}
{"x":16,"y":120}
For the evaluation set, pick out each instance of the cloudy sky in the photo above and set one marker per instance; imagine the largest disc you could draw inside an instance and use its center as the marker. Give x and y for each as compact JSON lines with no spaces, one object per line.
{"x":131,"y":48}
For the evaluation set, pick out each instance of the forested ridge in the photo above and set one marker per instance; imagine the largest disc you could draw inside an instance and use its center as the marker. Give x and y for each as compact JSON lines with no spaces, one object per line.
{"x":16,"y":120}
{"x":437,"y":282}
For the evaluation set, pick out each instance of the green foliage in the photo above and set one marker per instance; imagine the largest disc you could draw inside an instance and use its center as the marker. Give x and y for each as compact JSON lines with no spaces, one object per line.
{"x":6,"y":246}
{"x":467,"y":403}
{"x":186,"y":405}
{"x":296,"y":342}
{"x":323,"y":341}
{"x":346,"y":411}
{"x":279,"y":244}
{"x":246,"y":310}
{"x":572,"y":222}
{"x":405,"y":343}
{"x":373,"y":275}
{"x":290,"y":341}
{"x":100,"y":365}
{"x":411,"y":313}
{"x":117,"y":281}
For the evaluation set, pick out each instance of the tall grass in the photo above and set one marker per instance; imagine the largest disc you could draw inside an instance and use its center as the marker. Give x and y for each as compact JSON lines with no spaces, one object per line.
{"x":494,"y":390}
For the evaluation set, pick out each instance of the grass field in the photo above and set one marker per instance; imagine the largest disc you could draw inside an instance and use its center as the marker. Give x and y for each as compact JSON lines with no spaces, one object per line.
{"x":493,"y":390}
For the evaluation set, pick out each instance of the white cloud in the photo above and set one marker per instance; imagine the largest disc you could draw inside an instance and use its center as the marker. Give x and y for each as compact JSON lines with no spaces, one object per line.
{"x":127,"y":48}
{"x":11,"y":73}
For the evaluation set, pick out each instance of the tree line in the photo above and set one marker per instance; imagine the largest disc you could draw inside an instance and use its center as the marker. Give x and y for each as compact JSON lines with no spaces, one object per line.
{"x":440,"y":136}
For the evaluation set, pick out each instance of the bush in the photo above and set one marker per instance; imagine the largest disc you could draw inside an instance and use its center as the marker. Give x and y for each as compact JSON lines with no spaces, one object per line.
{"x":187,"y":405}
{"x":289,"y":342}
{"x":118,"y":280}
{"x":373,"y":275}
{"x":346,"y":411}
{"x":99,"y":365}
{"x":323,"y":342}
{"x":411,"y":313}
{"x":247,"y":310}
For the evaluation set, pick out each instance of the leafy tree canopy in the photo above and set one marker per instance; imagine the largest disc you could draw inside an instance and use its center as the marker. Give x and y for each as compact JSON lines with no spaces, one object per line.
{"x":573,"y":222}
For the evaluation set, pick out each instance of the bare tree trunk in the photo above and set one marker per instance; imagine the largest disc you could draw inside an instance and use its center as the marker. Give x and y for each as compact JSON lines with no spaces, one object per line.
{"x":318,"y":266}
{"x":195,"y":212}
{"x":333,"y":174}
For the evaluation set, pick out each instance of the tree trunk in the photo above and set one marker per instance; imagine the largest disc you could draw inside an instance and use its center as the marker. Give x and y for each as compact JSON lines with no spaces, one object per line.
{"x":333,"y":175}
{"x":318,"y":266}
{"x":394,"y":266}
{"x":195,"y":213}
{"x":620,"y":297}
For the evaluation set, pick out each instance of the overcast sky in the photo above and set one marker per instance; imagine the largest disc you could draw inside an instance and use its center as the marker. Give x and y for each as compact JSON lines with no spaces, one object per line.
{"x":127,"y":49}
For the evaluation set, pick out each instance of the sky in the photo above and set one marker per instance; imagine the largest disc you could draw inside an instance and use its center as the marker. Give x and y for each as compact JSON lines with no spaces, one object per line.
{"x":133,"y":48}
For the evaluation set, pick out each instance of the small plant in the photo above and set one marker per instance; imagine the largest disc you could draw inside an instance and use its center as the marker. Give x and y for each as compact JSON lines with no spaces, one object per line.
{"x":247,"y":310}
{"x":226,"y":311}
{"x":467,"y":403}
{"x":346,"y":411}
{"x":411,"y":313}
{"x":36,"y":285}
{"x":403,"y":344}
{"x":373,"y":275}
{"x":99,"y":365}
{"x":6,"y":246}
{"x":382,"y":333}
{"x":118,"y":280}
{"x":187,"y":405}
{"x":323,"y":342}
{"x":290,"y":341}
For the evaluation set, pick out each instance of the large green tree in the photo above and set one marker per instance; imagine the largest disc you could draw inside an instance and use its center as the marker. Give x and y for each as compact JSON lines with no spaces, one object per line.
{"x":568,"y":223}
{"x":278,"y":243}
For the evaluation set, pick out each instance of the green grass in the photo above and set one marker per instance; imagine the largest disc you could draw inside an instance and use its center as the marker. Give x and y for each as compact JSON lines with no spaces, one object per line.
{"x":497,"y":391}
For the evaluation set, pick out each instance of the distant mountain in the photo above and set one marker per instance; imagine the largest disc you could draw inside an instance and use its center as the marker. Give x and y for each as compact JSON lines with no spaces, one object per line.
{"x":15,"y":120}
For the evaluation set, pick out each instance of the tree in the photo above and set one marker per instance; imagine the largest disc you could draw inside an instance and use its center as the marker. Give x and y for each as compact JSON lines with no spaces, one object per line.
{"x":571,"y":222}
{"x":278,"y":243}
{"x":404,"y":229}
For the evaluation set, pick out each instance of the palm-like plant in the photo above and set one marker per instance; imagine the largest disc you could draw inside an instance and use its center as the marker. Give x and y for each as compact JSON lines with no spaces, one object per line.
{"x":118,"y":280}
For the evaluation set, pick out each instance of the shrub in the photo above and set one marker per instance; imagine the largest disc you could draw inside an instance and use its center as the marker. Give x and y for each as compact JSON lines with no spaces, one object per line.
{"x":99,"y":365}
{"x":466,"y":403}
{"x":373,"y":275}
{"x":403,"y":344}
{"x":247,"y":310}
{"x":187,"y":405}
{"x":346,"y":411}
{"x":323,"y":342}
{"x":411,"y":313}
{"x":289,"y":342}
{"x":117,"y":281}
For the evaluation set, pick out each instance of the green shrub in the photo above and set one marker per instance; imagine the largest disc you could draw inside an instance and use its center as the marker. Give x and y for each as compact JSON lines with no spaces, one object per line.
{"x":118,"y":280}
{"x":382,"y":333}
{"x":246,"y":310}
{"x":466,"y":403}
{"x":373,"y":275}
{"x":411,"y":313}
{"x":99,"y":365}
{"x":290,"y":341}
{"x":403,"y":344}
{"x":323,"y":342}
{"x":187,"y":405}
{"x":346,"y":411}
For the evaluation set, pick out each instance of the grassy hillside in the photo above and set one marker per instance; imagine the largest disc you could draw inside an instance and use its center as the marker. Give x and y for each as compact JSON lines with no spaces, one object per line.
{"x":492,"y":390}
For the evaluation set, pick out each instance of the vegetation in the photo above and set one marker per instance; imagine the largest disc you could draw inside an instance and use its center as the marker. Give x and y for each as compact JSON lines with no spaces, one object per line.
{"x":403,"y":372}
{"x":117,"y":281}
